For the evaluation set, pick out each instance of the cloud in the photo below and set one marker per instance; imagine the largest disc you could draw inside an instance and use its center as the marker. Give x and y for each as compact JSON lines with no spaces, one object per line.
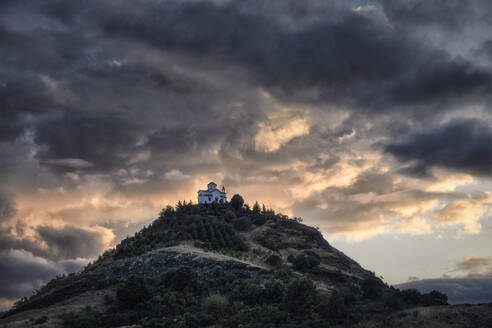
{"x":460,"y":145}
{"x":176,"y":175}
{"x":475,"y":266}
{"x":71,"y":242}
{"x":373,"y":203}
{"x":271,"y":138}
{"x":7,"y":207}
{"x":382,"y":67}
{"x":466,"y":211}
{"x":85,"y":141}
{"x":56,"y":243}
{"x":22,"y":272}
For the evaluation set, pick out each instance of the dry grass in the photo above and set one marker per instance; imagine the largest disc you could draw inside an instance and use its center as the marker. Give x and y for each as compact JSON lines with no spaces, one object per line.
{"x":80,"y":303}
{"x":450,"y":316}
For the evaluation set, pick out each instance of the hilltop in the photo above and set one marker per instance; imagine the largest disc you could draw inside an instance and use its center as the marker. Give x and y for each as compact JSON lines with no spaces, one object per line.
{"x":217,"y":265}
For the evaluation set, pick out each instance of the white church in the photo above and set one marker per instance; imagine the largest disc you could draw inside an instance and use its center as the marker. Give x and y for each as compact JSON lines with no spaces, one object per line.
{"x":212,"y":194}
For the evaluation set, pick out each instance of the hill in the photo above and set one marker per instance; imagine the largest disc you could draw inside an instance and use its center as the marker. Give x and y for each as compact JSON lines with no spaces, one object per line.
{"x":217,"y":265}
{"x":459,"y":290}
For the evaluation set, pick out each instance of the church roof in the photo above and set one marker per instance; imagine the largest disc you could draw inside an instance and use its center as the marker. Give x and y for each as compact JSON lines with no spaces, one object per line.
{"x":206,"y":190}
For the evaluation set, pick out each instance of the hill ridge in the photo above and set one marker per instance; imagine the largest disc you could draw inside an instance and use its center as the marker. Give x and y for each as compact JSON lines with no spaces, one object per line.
{"x":222,"y":265}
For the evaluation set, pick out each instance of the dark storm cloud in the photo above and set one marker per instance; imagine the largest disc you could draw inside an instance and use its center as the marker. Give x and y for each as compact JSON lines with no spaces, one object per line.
{"x":351,"y":61}
{"x":104,"y":139}
{"x":54,"y":244}
{"x":449,"y":16}
{"x":19,"y":267}
{"x":71,"y":242}
{"x":458,"y":290}
{"x":22,"y":272}
{"x":51,"y":243}
{"x":461,"y":145}
{"x":88,"y":96}
{"x":445,"y":13}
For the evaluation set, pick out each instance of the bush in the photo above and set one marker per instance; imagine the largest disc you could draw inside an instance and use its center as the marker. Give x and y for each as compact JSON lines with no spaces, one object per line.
{"x":41,"y":320}
{"x":274,"y":260}
{"x":259,"y":220}
{"x":80,"y":321}
{"x":300,"y":296}
{"x":307,"y":260}
{"x":215,"y":305}
{"x":181,"y":279}
{"x":336,"y":307}
{"x":230,"y":216}
{"x":393,"y":302}
{"x":131,"y":293}
{"x":242,"y":224}
{"x":434,"y":298}
{"x":274,"y":290}
{"x":411,"y":297}
{"x":372,"y":288}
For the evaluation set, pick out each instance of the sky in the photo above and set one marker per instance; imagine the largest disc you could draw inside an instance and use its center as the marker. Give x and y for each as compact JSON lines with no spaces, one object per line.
{"x":371,"y":120}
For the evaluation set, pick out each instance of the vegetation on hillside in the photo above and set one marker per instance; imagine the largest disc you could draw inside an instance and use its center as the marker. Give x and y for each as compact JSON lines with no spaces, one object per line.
{"x":179,"y":297}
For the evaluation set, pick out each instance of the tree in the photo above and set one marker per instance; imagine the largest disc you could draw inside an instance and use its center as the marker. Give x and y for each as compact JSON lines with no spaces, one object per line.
{"x":435,"y":298}
{"x":372,"y":288}
{"x":132,"y":292}
{"x":274,"y":290}
{"x":230,"y":216}
{"x":307,"y":260}
{"x":167,"y":212}
{"x":300,"y":296}
{"x":274,"y":260}
{"x":237,"y":202}
{"x":256,"y":208}
{"x":336,"y":311}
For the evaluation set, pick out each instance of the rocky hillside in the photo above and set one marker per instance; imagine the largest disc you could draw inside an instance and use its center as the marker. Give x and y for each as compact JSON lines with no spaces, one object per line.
{"x":219,"y":265}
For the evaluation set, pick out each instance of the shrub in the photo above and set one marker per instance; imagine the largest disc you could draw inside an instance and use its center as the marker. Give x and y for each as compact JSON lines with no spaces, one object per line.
{"x":80,"y":321}
{"x":181,"y":279}
{"x":307,"y":260}
{"x":215,"y":305}
{"x":242,"y":224}
{"x":270,"y":244}
{"x":131,"y":293}
{"x":300,"y":296}
{"x":259,"y":220}
{"x":230,"y":216}
{"x":393,"y":302}
{"x":274,"y":260}
{"x":411,"y":297}
{"x":274,"y":290}
{"x":336,"y":307}
{"x":372,"y":288}
{"x":41,"y":320}
{"x":435,"y":298}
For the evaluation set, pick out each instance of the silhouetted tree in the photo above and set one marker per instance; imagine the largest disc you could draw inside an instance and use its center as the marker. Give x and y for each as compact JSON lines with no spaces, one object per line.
{"x":435,"y":298}
{"x":237,"y":201}
{"x":256,"y":208}
{"x":372,"y":288}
